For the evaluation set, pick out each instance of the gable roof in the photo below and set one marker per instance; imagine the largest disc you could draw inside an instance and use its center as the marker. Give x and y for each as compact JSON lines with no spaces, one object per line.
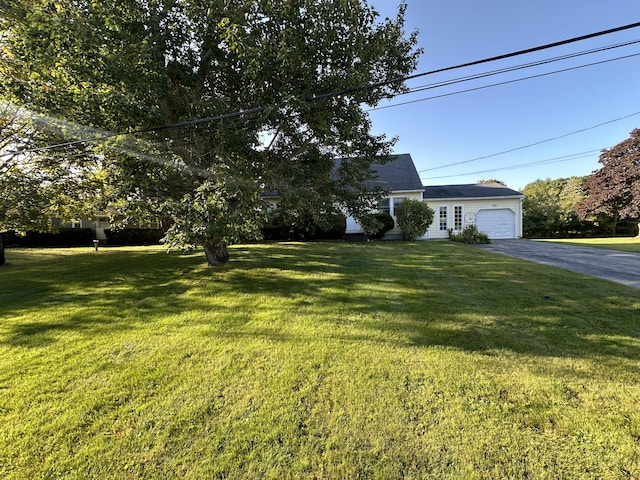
{"x":477,"y":190}
{"x":398,"y":174}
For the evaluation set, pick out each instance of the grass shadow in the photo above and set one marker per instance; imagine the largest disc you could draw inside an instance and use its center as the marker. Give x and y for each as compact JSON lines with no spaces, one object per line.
{"x":411,"y":294}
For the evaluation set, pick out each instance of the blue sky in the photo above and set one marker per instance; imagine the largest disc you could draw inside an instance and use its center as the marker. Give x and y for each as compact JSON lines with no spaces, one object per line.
{"x":465,"y":126}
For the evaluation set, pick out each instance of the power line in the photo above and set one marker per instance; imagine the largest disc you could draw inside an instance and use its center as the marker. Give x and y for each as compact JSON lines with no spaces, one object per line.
{"x":564,"y":158}
{"x":522,"y":147}
{"x":485,"y":60}
{"x":334,"y":94}
{"x":507,"y":82}
{"x":507,"y":70}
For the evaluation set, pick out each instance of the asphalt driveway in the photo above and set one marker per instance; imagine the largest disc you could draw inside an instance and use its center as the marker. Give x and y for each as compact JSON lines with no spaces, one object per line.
{"x":614,"y":265}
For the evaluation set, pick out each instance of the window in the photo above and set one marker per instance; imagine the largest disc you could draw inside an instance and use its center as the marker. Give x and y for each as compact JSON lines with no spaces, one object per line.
{"x":383,"y":206}
{"x":457,"y":217}
{"x":397,"y":201}
{"x":442,"y":217}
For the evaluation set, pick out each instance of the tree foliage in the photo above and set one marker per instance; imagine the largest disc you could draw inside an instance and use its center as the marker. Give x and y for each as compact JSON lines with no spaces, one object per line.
{"x":274,"y":87}
{"x":614,"y":189}
{"x":549,"y":207}
{"x":414,"y":218}
{"x":36,"y":187}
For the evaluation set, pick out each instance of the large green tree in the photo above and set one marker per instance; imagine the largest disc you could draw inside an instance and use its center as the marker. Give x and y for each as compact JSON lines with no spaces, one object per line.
{"x":614,"y":189}
{"x":36,"y":185}
{"x":221,"y":99}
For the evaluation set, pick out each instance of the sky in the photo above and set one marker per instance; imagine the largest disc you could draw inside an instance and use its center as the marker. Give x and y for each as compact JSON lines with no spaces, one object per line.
{"x":460,"y":128}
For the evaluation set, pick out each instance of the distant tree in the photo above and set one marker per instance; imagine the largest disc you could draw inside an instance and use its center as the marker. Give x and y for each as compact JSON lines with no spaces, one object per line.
{"x":21,"y":195}
{"x":414,"y":218}
{"x":614,"y":189}
{"x":491,"y":181}
{"x":540,"y":208}
{"x":571,"y":194}
{"x":549,"y":207}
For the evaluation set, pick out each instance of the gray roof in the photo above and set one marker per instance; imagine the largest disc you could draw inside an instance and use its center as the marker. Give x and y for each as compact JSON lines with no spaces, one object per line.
{"x":398,"y":174}
{"x":477,"y":190}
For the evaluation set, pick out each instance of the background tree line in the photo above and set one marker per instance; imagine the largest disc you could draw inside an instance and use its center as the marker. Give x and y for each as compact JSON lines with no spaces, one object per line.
{"x":605,"y":203}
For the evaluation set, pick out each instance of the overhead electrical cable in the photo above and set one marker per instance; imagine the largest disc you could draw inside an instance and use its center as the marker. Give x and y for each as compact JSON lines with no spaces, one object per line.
{"x":498,"y":84}
{"x":508,"y":70}
{"x":485,"y":60}
{"x":522,"y":147}
{"x":564,"y":158}
{"x":262,"y":109}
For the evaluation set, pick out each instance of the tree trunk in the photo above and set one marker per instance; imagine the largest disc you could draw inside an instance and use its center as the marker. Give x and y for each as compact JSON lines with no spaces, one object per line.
{"x":637,"y":235}
{"x":216,"y":252}
{"x":3,"y":260}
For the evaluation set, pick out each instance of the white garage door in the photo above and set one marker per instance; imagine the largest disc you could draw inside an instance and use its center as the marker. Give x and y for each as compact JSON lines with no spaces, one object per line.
{"x":499,"y":223}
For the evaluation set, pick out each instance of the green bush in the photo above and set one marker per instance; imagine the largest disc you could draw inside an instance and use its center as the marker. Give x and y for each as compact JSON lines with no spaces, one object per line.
{"x":470,"y":235}
{"x":280,"y":226}
{"x":333,"y":226}
{"x":66,"y":237}
{"x":414,"y":218}
{"x":376,"y":225}
{"x":134,"y":236}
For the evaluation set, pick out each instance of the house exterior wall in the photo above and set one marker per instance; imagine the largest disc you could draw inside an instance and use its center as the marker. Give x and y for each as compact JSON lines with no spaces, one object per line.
{"x":456,"y":214}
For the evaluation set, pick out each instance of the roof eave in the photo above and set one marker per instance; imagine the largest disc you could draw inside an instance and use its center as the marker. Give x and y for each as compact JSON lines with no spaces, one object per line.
{"x":505,"y":197}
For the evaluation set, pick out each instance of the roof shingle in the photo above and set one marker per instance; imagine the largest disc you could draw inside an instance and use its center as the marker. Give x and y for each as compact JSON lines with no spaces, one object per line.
{"x":479,"y":190}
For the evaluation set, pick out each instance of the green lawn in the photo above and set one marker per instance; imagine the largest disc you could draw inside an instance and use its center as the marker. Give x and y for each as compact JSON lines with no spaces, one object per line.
{"x":626,"y":244}
{"x":329,"y":360}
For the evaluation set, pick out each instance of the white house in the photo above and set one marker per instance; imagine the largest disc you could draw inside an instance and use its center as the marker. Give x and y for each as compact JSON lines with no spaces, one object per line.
{"x":493,"y":208}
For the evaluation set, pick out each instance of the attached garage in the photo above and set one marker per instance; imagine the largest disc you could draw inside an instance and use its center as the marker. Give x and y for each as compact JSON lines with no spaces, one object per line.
{"x":495,"y":209}
{"x":497,"y":223}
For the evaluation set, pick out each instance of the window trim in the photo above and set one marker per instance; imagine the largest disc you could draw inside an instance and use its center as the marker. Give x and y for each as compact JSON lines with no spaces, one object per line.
{"x":391,"y":204}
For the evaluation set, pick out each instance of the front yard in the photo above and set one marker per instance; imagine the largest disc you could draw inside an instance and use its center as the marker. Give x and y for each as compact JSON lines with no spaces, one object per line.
{"x":326,"y":360}
{"x":625,"y":244}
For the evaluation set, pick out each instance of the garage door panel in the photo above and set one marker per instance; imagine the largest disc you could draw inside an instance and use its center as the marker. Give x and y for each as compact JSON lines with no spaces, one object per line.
{"x":498,"y":223}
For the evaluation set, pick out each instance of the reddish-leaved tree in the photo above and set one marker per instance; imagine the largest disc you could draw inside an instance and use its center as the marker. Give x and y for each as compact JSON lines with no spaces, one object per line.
{"x":614,"y":189}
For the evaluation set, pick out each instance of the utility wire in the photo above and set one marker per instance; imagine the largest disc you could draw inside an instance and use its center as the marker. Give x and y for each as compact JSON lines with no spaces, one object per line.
{"x":509,"y":69}
{"x":522,"y":147}
{"x":334,"y":94}
{"x":507,"y":82}
{"x":564,"y":158}
{"x":485,"y":60}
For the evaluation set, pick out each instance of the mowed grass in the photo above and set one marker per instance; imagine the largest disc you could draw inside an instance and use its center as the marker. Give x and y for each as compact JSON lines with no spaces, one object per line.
{"x":626,"y":244}
{"x":327,"y":360}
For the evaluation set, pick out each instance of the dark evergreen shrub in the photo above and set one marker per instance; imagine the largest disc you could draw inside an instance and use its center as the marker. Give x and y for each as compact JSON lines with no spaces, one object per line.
{"x":134,"y":236}
{"x":331,"y":226}
{"x":72,"y":237}
{"x":377,"y":224}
